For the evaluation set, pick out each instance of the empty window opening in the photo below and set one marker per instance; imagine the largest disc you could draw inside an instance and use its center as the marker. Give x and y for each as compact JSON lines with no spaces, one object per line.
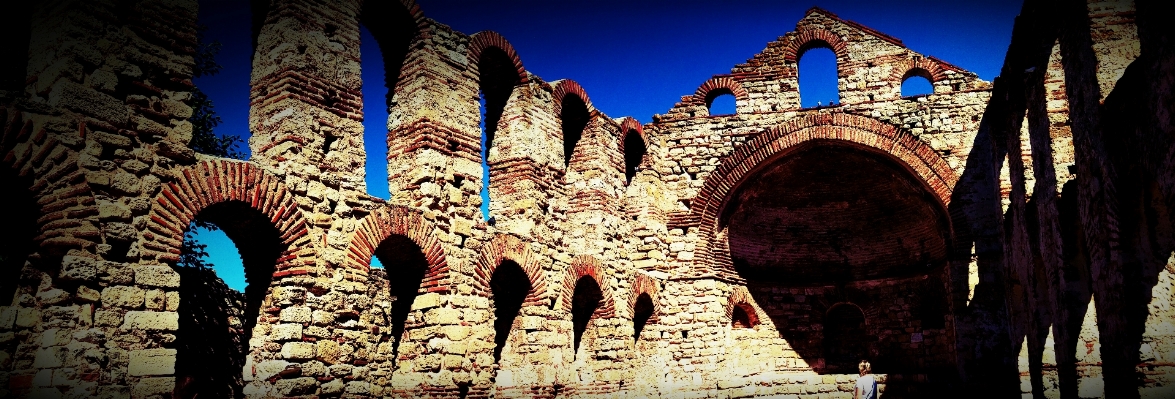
{"x":17,"y":30}
{"x":641,"y":313}
{"x":932,"y":303}
{"x":17,"y":238}
{"x":221,"y":291}
{"x":574,"y":119}
{"x":818,"y":76}
{"x":584,"y":302}
{"x":634,"y":152}
{"x":743,"y":316}
{"x":845,"y":338}
{"x":721,"y":103}
{"x":497,"y":77}
{"x":509,"y":287}
{"x":404,"y":266}
{"x":916,"y":83}
{"x":375,"y":113}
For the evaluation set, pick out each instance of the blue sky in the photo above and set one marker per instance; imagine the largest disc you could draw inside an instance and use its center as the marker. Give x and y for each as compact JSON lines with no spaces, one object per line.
{"x":634,"y":58}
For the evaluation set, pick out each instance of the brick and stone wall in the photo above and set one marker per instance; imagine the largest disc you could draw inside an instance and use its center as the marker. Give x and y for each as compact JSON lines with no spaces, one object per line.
{"x":996,"y":238}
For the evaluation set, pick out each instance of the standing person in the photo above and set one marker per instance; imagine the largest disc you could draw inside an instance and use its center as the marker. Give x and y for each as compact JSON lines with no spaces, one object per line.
{"x":866,"y":384}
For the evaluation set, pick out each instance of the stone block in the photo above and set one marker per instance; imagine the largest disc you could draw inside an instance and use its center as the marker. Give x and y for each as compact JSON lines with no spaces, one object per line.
{"x":269,"y":368}
{"x":156,"y":276}
{"x":295,"y":314}
{"x":296,"y":386}
{"x":153,"y":321}
{"x":123,"y":297}
{"x":286,"y":332}
{"x":152,"y":362}
{"x":150,"y":386}
{"x":297,"y":351}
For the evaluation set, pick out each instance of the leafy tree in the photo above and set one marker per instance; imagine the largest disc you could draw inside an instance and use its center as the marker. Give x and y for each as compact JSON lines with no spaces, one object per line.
{"x":204,"y":140}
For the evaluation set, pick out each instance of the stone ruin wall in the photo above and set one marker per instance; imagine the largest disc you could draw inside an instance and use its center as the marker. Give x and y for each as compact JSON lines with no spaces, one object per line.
{"x":96,"y":139}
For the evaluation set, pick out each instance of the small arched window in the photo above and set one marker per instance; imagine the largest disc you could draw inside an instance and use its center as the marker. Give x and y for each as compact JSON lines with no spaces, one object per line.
{"x":743,"y":316}
{"x":722,"y":103}
{"x":634,"y":152}
{"x":916,"y":82}
{"x":641,"y":313}
{"x":574,"y":116}
{"x":386,"y":31}
{"x":817,"y":75}
{"x":586,"y":298}
{"x":509,"y":286}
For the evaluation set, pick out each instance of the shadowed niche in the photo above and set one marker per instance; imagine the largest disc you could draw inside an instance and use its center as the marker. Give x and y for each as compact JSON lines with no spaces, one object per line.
{"x":509,"y":286}
{"x":584,"y":302}
{"x":574,"y":117}
{"x":634,"y":151}
{"x":17,"y":236}
{"x":641,"y":313}
{"x":404,"y":260}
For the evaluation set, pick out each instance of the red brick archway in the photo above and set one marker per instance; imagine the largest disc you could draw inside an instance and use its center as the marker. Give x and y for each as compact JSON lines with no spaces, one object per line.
{"x":586,"y":265}
{"x":917,"y":157}
{"x":387,"y":221}
{"x":483,"y":40}
{"x":213,"y":182}
{"x":814,"y":38}
{"x":717,"y":86}
{"x":508,"y":247}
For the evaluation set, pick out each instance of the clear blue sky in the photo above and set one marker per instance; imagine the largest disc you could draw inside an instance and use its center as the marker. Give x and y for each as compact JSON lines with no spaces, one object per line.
{"x":634,"y":58}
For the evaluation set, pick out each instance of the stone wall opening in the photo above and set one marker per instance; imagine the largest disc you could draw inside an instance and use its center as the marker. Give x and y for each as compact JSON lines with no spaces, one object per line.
{"x":585,"y":301}
{"x":642,"y":311}
{"x":743,"y":316}
{"x":509,"y":287}
{"x":917,"y":82}
{"x":496,"y":81}
{"x":829,"y":222}
{"x":17,"y":237}
{"x":215,"y":322}
{"x":845,"y":339}
{"x":401,"y":257}
{"x":393,"y":28}
{"x":721,"y":102}
{"x":634,"y":152}
{"x":573,"y":119}
{"x":817,"y":74}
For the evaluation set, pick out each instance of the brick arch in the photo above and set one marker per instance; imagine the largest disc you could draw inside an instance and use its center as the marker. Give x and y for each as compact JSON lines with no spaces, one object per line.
{"x":918,"y":66}
{"x":509,"y":247}
{"x":58,"y":185}
{"x":628,"y":124}
{"x":212,"y":182}
{"x":643,"y":284}
{"x":813,"y":38}
{"x":485,"y":39}
{"x":741,"y":298}
{"x":567,"y":86}
{"x":717,"y":86}
{"x":587,"y":265}
{"x":387,"y":221}
{"x":919,"y":158}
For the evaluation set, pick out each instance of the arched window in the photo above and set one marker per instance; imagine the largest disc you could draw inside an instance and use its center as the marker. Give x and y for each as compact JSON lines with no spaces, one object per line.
{"x":574,"y":117}
{"x":743,"y":316}
{"x":385,"y":33}
{"x":584,"y":302}
{"x":722,"y":104}
{"x":818,"y":75}
{"x":916,"y":82}
{"x":17,"y":236}
{"x":405,"y":265}
{"x":634,"y":152}
{"x":497,"y":79}
{"x":642,"y":311}
{"x":215,"y":320}
{"x":509,"y":286}
{"x":845,"y":338}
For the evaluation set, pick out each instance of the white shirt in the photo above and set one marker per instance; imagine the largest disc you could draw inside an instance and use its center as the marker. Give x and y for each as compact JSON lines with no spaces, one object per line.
{"x":868,"y":386}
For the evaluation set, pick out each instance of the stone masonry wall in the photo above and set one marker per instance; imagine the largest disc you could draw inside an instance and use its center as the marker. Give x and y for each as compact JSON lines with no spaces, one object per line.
{"x":1048,"y":190}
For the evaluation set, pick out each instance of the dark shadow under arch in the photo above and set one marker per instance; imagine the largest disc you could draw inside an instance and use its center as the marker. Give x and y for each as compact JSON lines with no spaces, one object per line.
{"x":641,"y":313}
{"x":18,"y":236}
{"x":406,"y":266}
{"x":574,"y":118}
{"x":509,"y":287}
{"x":584,"y":303}
{"x":634,"y":152}
{"x":845,"y":338}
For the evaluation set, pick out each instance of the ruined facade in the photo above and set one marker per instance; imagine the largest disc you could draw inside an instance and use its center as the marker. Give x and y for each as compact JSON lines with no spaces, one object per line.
{"x":991,"y":238}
